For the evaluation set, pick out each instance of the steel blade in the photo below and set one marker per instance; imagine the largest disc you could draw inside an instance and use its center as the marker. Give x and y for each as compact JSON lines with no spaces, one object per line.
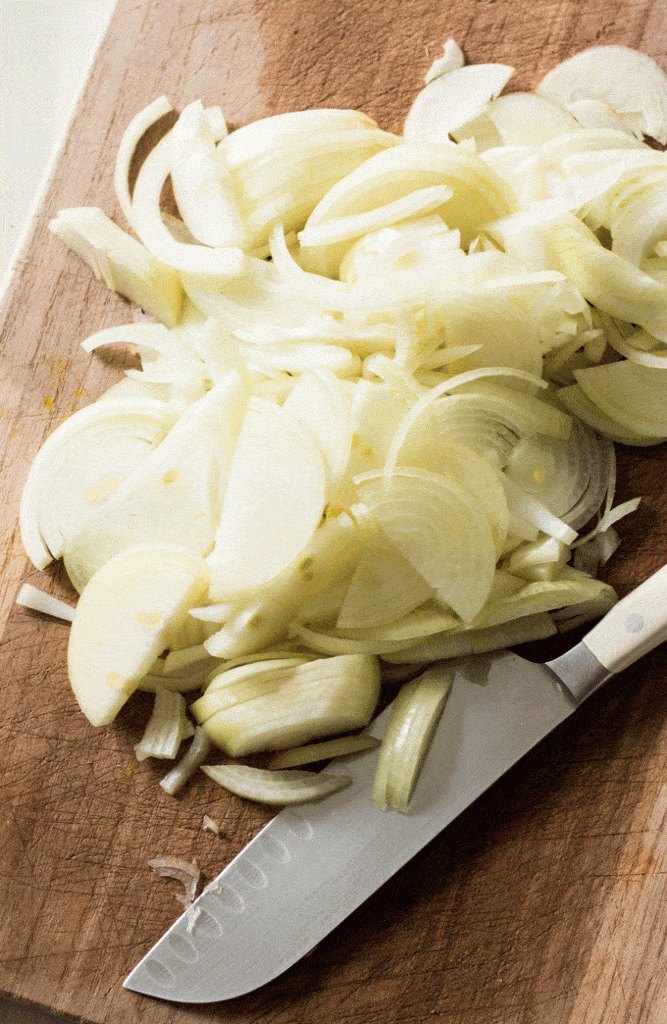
{"x":309,"y":868}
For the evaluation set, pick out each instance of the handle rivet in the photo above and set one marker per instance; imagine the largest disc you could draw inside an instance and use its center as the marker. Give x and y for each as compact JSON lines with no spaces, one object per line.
{"x":634,"y":623}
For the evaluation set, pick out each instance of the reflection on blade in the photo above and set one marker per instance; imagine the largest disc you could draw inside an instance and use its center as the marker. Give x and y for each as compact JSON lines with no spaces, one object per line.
{"x":308,"y":869}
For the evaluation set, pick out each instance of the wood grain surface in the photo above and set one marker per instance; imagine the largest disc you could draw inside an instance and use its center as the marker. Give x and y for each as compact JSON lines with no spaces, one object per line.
{"x":546,"y":902}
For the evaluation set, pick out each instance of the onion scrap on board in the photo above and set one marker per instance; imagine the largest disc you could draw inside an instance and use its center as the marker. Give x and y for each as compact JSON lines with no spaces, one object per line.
{"x":381,"y":381}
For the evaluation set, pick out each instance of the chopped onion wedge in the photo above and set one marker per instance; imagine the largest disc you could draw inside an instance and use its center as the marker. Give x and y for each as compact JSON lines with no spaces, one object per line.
{"x":282,"y":788}
{"x":414,"y":717}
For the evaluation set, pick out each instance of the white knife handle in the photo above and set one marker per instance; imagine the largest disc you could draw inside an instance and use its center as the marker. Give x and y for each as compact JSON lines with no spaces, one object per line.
{"x":633,"y":627}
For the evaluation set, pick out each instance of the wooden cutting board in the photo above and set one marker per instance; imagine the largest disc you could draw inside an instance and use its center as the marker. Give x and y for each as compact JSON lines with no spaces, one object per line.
{"x":547,"y":900}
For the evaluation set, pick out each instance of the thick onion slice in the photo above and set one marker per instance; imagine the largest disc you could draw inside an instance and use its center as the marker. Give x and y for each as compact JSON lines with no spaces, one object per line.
{"x":489,"y":419}
{"x":574,"y":398}
{"x":526,"y":119}
{"x":322,"y":404}
{"x":325,"y":697}
{"x":260,"y":139}
{"x":230,"y":688}
{"x":323,"y":245}
{"x":460,"y":643}
{"x":39,"y":601}
{"x":123,"y":263}
{"x":196,"y":754}
{"x":169,"y":497}
{"x":414,"y":716}
{"x":473,"y":472}
{"x":570,"y":477}
{"x":608,"y":281}
{"x":425,"y":620}
{"x":203,"y":186}
{"x":326,"y":562}
{"x":384,"y":587}
{"x":138,"y":126}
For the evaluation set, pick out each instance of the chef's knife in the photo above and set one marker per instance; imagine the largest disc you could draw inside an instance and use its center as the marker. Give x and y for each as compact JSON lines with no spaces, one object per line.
{"x":308,"y":869}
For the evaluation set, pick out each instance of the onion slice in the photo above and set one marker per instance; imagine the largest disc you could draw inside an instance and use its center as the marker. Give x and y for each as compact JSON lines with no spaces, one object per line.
{"x":451,"y":100}
{"x":282,"y":788}
{"x":414,"y":717}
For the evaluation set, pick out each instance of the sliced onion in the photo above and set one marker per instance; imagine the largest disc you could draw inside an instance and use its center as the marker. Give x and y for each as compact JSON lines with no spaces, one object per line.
{"x":414,"y":716}
{"x":438,"y":526}
{"x":341,"y":746}
{"x":451,"y":100}
{"x":423,"y":621}
{"x":203,"y":186}
{"x":283,"y":788}
{"x":196,"y":754}
{"x":629,"y":81}
{"x":384,"y":587}
{"x":39,"y":601}
{"x":225,"y":261}
{"x":631,"y":395}
{"x":137,"y":127}
{"x":273,"y":502}
{"x":460,"y":643}
{"x":479,"y":195}
{"x":525,"y":118}
{"x":122,"y":262}
{"x":183,"y":871}
{"x":324,"y":697}
{"x":451,"y":59}
{"x":165,"y":730}
{"x":82,"y":462}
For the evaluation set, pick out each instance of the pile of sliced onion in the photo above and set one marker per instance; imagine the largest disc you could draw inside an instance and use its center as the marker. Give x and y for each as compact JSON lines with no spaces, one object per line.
{"x":380,"y":382}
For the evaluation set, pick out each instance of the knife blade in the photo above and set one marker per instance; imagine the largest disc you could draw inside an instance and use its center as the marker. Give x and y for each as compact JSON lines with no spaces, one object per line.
{"x":310,"y":867}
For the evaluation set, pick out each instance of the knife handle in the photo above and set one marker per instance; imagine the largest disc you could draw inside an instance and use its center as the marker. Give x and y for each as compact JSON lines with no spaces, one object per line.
{"x":633,"y":627}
